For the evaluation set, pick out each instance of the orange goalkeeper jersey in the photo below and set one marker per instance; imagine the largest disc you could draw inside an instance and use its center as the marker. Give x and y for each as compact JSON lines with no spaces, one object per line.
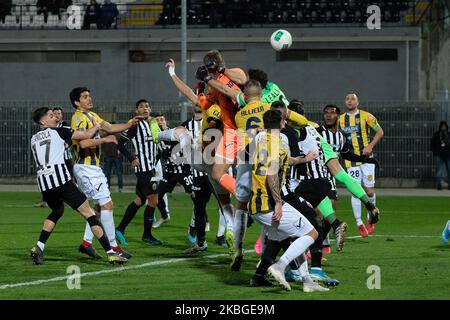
{"x":228,"y":107}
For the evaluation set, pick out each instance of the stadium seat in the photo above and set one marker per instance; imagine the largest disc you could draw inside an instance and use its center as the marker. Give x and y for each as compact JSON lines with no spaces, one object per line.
{"x":52,"y":21}
{"x":38,"y":21}
{"x":32,"y":10}
{"x":11,"y":21}
{"x":25,"y":21}
{"x":122,"y":8}
{"x":16,"y":10}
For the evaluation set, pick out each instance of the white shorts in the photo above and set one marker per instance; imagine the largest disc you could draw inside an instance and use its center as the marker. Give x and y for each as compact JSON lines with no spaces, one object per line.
{"x":364,"y":173}
{"x":243,"y":182}
{"x":292,"y":224}
{"x":92,"y":182}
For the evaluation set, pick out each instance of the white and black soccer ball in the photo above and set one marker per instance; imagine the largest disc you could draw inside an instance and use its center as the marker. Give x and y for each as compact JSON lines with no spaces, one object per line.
{"x":281,"y":40}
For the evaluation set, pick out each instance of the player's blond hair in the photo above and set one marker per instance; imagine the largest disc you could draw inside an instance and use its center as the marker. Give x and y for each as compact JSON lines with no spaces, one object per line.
{"x":252,"y":88}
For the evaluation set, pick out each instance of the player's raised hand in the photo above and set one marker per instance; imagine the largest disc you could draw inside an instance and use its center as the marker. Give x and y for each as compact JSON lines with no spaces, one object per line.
{"x":110,"y":139}
{"x":170,"y":65}
{"x":137,"y":119}
{"x":202,"y":74}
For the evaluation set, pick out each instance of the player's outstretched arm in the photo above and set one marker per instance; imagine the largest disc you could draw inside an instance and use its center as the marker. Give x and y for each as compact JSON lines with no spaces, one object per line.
{"x":236,"y":75}
{"x":119,"y":127}
{"x":299,"y":160}
{"x":347,"y":155}
{"x":89,"y":143}
{"x":181,"y":86}
{"x":296,"y":119}
{"x":222,"y":88}
{"x":87,"y":134}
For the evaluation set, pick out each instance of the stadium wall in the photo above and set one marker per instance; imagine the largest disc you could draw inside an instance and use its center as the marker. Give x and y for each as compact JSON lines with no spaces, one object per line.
{"x":116,"y":78}
{"x":439,"y":73}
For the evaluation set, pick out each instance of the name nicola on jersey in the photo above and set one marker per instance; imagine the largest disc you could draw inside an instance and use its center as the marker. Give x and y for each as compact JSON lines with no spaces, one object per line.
{"x":41,"y":135}
{"x":252,"y":111}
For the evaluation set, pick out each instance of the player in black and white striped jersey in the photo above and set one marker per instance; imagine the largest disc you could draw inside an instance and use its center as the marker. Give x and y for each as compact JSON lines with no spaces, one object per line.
{"x":315,"y":183}
{"x":329,"y":130}
{"x":335,"y":139}
{"x":58,"y":114}
{"x":309,"y":181}
{"x":174,"y":171}
{"x":55,"y":183}
{"x":144,"y":161}
{"x":313,"y":186}
{"x":201,"y":187}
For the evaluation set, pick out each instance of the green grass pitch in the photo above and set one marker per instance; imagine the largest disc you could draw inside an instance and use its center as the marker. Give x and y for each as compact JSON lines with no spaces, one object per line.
{"x":413,"y":262}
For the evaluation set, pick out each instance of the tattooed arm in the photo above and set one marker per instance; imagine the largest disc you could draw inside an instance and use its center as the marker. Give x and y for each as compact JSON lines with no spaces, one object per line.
{"x":273,"y":184}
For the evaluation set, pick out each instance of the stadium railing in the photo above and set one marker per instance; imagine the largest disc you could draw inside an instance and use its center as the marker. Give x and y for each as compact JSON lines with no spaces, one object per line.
{"x":404,"y":152}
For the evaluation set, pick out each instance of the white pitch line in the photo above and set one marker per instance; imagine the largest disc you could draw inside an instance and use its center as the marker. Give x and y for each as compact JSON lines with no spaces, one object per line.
{"x":390,"y":235}
{"x":94,"y":273}
{"x":156,"y":263}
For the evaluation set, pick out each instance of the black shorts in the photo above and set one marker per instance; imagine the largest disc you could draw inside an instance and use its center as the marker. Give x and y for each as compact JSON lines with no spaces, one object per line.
{"x":170,"y":180}
{"x":314,"y":190}
{"x":201,"y":188}
{"x":333,"y":195}
{"x":69,"y":165}
{"x":144,"y":185}
{"x":67,"y":193}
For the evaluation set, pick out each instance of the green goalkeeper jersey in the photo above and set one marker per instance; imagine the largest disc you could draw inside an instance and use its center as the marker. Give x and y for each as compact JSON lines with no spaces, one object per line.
{"x":271,"y":93}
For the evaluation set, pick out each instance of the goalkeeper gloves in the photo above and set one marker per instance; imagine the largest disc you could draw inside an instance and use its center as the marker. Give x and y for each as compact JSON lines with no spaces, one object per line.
{"x":214,"y":67}
{"x":202,"y":74}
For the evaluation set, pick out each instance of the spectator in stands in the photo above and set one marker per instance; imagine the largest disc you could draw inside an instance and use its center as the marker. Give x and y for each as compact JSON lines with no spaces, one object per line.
{"x":43,"y":7}
{"x":112,"y":158}
{"x":5,"y":9}
{"x":108,"y":14}
{"x":168,"y":14}
{"x":440,"y":146}
{"x":218,"y":14}
{"x":59,"y":6}
{"x":234,"y":14}
{"x":92,"y":15}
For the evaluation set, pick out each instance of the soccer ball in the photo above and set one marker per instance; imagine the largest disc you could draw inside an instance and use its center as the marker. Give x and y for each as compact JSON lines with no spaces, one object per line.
{"x":281,"y":40}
